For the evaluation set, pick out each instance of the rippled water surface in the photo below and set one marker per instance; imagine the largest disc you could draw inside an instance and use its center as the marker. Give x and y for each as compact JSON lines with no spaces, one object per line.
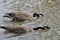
{"x":50,"y":9}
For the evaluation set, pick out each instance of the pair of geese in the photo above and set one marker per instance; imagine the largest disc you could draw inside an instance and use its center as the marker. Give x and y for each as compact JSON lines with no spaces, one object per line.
{"x":22,"y":16}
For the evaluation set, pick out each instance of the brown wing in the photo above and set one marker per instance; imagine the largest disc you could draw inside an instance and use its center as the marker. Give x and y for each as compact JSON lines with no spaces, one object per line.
{"x":15,"y":29}
{"x":24,"y":16}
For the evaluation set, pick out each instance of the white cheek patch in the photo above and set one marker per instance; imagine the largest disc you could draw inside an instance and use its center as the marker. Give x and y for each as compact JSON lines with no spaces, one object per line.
{"x":40,"y":15}
{"x":34,"y":17}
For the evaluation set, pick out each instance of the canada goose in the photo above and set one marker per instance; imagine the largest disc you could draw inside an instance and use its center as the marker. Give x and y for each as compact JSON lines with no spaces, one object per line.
{"x":22,"y":16}
{"x":22,"y":29}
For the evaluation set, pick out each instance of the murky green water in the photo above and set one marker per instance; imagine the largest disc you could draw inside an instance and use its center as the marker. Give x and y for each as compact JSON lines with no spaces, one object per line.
{"x":50,"y":9}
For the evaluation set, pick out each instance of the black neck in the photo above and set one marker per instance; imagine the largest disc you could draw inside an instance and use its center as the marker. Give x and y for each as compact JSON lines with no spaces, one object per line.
{"x":35,"y":14}
{"x":39,"y":28}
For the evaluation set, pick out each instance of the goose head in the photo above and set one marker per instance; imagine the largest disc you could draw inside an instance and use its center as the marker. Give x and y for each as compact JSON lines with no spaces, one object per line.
{"x":36,"y":16}
{"x":46,"y":27}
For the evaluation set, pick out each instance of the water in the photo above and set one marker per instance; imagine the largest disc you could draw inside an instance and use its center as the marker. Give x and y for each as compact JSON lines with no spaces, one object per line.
{"x":50,"y":9}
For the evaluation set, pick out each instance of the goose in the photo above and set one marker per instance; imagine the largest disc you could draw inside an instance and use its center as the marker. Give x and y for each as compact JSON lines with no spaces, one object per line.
{"x":22,"y":16}
{"x":22,"y":29}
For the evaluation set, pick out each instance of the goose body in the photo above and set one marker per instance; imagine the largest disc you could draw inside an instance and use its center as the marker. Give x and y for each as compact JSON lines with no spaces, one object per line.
{"x":17,"y":29}
{"x":22,"y":16}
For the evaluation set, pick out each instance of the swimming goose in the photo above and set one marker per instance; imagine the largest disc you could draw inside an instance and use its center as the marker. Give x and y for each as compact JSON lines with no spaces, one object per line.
{"x":22,"y":16}
{"x":22,"y":29}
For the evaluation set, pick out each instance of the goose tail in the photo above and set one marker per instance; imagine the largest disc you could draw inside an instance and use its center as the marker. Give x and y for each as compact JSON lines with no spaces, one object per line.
{"x":3,"y":27}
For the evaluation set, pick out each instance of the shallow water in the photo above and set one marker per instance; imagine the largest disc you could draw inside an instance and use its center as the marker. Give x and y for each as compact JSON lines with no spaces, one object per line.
{"x":50,"y":9}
